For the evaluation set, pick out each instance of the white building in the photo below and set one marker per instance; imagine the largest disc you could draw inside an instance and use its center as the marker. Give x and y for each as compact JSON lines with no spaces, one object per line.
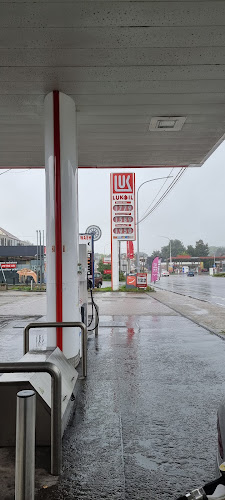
{"x":7,"y":239}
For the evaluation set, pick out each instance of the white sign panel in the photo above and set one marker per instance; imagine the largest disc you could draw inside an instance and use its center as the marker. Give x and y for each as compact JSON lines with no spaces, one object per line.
{"x":86,"y":238}
{"x":123,"y":214}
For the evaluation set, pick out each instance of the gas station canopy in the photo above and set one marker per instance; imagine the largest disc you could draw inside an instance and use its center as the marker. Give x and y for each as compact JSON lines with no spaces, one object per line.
{"x":147,"y":77}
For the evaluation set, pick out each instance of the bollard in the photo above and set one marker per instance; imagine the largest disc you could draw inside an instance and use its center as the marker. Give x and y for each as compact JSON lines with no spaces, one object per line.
{"x":25,"y":445}
{"x":84,"y":353}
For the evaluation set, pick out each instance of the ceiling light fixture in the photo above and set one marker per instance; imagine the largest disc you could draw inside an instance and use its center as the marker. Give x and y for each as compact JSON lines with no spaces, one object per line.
{"x":166,"y":123}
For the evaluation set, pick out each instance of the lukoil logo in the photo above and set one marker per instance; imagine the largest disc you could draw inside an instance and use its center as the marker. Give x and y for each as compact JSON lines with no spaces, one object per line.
{"x":123,"y":183}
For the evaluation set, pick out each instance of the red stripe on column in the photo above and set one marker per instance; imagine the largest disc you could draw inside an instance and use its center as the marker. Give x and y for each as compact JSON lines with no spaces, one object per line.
{"x":58,"y":220}
{"x":111,"y":180}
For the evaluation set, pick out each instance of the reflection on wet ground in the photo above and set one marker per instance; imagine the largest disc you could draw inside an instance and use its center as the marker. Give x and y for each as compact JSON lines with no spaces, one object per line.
{"x":145,"y":421}
{"x":208,"y":288}
{"x":144,"y":425}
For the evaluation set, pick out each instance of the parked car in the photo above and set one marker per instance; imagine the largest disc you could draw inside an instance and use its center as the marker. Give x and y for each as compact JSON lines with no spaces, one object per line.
{"x":190,"y":273}
{"x":165,"y":273}
{"x":98,"y":280}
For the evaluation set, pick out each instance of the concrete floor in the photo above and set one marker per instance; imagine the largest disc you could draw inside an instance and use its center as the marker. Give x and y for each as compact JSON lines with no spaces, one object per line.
{"x":144,"y":423}
{"x":145,"y":420}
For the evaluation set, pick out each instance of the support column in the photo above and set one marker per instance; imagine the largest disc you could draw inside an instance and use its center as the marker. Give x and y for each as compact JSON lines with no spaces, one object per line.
{"x":115,"y":263}
{"x":62,"y":220}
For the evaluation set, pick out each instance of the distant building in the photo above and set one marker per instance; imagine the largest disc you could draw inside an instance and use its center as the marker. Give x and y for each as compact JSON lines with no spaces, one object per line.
{"x":15,"y":255}
{"x":7,"y":239}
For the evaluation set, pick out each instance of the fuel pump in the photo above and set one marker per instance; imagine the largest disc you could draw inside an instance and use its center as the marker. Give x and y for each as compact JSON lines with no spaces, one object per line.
{"x":82,"y":273}
{"x":86,"y":277}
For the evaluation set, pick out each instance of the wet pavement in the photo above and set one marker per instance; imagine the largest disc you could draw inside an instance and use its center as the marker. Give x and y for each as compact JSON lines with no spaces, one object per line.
{"x":144,"y":423}
{"x":202,"y":287}
{"x":144,"y":426}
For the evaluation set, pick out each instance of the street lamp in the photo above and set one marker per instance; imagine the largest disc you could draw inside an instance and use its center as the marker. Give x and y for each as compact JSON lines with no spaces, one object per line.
{"x":137,"y":223}
{"x":170,"y":264}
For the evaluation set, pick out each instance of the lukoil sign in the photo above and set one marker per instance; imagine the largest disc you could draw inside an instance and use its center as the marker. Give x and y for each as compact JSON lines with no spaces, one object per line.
{"x":123,"y":206}
{"x":123,"y":183}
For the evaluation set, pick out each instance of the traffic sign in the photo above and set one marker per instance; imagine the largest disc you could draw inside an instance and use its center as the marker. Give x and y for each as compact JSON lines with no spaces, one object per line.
{"x":96,"y":231}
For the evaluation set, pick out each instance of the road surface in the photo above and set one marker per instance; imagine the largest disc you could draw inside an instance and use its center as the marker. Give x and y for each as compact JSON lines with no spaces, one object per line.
{"x":208,"y":288}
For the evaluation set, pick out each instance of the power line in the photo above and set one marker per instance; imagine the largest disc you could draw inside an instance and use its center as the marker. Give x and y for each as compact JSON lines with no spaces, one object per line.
{"x":158,"y":192}
{"x":170,"y":187}
{"x":6,"y":171}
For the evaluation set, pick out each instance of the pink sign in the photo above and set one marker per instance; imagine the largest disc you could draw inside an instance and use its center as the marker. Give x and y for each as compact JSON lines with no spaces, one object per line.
{"x":155,"y":269}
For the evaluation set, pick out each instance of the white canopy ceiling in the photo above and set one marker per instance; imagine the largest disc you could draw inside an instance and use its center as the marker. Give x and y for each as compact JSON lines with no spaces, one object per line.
{"x":124,"y":63}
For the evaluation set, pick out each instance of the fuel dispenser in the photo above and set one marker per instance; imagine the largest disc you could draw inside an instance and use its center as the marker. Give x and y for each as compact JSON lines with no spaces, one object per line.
{"x":83,"y":276}
{"x":86,"y":281}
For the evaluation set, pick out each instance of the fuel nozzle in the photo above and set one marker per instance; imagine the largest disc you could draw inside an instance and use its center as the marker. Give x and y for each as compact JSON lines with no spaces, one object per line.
{"x":216,"y":490}
{"x":198,"y":494}
{"x":222,"y":469}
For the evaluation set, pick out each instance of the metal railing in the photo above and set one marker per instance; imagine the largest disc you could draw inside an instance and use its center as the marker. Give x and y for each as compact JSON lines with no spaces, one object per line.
{"x":56,"y":396}
{"x":64,"y":324}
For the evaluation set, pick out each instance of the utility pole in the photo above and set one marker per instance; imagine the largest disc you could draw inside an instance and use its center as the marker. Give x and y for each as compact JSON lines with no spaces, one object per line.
{"x":138,"y":221}
{"x":40,"y":261}
{"x":37,"y":255}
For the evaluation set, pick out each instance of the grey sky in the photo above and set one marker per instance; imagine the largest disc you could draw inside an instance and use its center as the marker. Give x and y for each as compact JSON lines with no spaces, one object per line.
{"x":194,"y":209}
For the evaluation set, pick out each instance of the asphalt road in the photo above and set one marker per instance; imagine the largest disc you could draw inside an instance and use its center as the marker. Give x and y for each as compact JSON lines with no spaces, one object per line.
{"x":200,"y":287}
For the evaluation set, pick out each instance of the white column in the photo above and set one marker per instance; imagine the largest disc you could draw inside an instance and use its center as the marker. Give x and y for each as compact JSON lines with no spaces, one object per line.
{"x":115,"y":264}
{"x":62,"y":220}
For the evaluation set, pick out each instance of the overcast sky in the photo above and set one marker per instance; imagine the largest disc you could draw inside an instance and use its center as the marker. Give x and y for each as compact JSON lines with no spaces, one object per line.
{"x":194,"y":209}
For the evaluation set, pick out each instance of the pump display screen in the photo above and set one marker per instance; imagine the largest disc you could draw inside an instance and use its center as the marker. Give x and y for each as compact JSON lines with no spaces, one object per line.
{"x":121,"y":218}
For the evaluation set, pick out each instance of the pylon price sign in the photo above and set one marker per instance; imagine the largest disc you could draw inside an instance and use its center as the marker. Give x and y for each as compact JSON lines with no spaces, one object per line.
{"x":123,"y":214}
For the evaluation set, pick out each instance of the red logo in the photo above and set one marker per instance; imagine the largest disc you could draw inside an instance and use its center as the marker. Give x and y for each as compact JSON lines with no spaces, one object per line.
{"x":123,"y":183}
{"x":131,"y":280}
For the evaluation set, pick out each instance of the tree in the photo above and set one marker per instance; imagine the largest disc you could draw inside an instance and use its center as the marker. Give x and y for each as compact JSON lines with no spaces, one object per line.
{"x":177,"y":248}
{"x":102,"y":267}
{"x":191,"y":250}
{"x":201,"y":249}
{"x":220,"y":251}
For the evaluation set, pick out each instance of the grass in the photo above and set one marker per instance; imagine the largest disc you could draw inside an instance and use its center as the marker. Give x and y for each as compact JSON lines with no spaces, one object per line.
{"x":26,"y":288}
{"x":220,"y":275}
{"x":124,"y":289}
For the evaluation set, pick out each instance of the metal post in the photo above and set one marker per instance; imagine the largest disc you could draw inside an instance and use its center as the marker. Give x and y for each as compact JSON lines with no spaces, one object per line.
{"x":40,"y":262}
{"x":138,"y":265}
{"x":25,"y":445}
{"x":170,"y":256}
{"x":84,"y":353}
{"x":37,"y":255}
{"x":43,"y":258}
{"x":56,"y":396}
{"x":138,"y":221}
{"x":93,"y":261}
{"x":119,"y":258}
{"x":3,"y":274}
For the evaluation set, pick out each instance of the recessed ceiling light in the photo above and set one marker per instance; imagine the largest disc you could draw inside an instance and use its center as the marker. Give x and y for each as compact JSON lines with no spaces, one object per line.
{"x":166,"y":123}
